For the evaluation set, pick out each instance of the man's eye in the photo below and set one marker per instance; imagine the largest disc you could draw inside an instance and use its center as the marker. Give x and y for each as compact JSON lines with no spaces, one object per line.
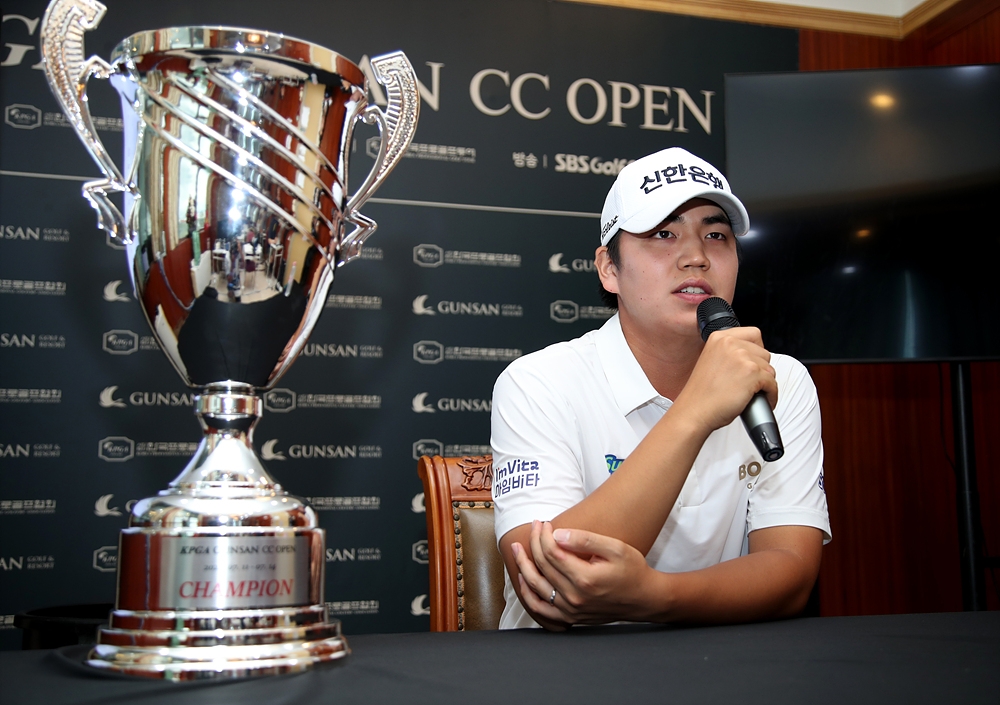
{"x":663,"y":234}
{"x":716,"y":236}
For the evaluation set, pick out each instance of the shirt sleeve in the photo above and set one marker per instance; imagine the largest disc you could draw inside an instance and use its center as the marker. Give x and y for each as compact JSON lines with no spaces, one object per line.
{"x":537,"y":465}
{"x":790,"y":491}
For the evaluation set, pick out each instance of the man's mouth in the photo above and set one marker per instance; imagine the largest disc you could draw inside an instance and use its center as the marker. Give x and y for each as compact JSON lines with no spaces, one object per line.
{"x":694,"y":287}
{"x":693,"y":291}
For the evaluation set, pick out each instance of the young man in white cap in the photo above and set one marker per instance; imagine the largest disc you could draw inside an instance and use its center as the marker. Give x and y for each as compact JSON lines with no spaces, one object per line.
{"x":625,"y":485}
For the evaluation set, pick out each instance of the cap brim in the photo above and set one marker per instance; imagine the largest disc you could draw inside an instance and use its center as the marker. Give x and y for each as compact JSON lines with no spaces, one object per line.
{"x":656,"y":213}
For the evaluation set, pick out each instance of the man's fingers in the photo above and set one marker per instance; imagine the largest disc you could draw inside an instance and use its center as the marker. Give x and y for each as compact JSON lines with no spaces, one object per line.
{"x":533,"y":578}
{"x":566,"y":563}
{"x":747,"y":333}
{"x":586,"y":544}
{"x":551,"y":616}
{"x":543,"y":559}
{"x":770,"y":388}
{"x":536,"y":591}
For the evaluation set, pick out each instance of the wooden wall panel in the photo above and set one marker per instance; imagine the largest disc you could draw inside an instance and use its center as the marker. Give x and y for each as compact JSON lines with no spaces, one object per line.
{"x":890,"y":489}
{"x":887,"y":432}
{"x":968,"y":33}
{"x":986,"y":415}
{"x":826,"y":51}
{"x":889,"y":483}
{"x":977,"y":43}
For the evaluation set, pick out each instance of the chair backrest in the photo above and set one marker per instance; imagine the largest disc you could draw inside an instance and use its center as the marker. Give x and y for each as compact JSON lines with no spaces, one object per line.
{"x":466,"y":570}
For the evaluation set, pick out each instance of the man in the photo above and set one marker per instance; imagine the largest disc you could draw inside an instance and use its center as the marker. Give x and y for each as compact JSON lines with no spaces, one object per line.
{"x":625,"y":485}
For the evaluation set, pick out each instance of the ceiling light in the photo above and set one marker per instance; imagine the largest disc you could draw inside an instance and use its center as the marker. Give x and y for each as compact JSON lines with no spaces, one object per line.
{"x":883,"y":101}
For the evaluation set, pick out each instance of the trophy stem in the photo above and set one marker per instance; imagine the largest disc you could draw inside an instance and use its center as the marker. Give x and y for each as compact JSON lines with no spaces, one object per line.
{"x":225,"y":463}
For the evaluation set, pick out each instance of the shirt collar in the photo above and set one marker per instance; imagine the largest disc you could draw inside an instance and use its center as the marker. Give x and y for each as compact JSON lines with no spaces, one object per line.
{"x":629,"y":383}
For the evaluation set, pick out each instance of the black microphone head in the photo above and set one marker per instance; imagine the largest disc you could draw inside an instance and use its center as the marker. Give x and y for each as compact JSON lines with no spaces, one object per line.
{"x":715,"y":314}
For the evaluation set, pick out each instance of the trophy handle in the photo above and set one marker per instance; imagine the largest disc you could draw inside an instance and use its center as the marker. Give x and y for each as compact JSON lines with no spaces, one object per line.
{"x":397,"y":125}
{"x":63,"y":27}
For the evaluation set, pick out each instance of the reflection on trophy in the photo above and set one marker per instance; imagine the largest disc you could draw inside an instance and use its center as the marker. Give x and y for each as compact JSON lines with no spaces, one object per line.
{"x":236,"y":214}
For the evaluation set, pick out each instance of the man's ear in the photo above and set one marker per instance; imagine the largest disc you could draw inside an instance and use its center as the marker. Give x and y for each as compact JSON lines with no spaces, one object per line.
{"x":606,"y":270}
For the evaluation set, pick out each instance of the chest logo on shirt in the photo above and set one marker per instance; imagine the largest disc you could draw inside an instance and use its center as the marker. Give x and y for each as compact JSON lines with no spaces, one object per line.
{"x":752,"y":469}
{"x":613,"y":462}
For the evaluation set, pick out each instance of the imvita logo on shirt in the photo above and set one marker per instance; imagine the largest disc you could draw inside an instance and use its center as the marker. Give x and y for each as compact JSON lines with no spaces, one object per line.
{"x":516,"y":474}
{"x":613,"y":463}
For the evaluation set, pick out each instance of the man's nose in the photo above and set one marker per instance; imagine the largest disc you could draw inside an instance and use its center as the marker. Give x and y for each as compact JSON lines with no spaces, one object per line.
{"x":692,"y":254}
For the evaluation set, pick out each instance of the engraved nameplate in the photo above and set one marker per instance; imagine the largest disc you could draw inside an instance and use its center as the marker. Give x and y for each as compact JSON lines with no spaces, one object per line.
{"x":227,"y":572}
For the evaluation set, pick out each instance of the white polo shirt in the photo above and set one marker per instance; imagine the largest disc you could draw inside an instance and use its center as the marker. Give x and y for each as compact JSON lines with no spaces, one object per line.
{"x":565,"y":417}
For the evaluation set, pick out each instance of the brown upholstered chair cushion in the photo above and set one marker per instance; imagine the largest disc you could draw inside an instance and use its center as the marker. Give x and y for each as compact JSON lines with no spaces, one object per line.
{"x":466,"y":570}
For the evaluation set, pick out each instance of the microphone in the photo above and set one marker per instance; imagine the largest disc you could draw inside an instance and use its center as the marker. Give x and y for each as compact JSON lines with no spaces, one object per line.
{"x":716,"y":314}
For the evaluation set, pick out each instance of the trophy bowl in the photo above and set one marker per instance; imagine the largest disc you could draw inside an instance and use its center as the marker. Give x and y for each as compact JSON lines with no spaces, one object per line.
{"x":236,"y":215}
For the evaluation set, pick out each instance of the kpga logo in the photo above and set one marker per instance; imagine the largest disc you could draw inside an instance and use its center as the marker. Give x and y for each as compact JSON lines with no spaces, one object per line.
{"x":120,"y":342}
{"x":428,"y":256}
{"x":428,"y":352}
{"x":280,"y":400}
{"x":427,"y":446}
{"x":106,"y":559}
{"x":116,"y":449}
{"x":22,"y":117}
{"x":420,"y":552}
{"x":563,"y":311}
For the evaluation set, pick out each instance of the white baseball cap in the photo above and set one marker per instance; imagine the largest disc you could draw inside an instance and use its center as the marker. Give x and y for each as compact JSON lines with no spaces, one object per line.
{"x":649,"y":189}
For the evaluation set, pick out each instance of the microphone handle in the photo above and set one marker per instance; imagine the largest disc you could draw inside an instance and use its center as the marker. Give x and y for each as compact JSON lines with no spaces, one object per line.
{"x":762,"y":428}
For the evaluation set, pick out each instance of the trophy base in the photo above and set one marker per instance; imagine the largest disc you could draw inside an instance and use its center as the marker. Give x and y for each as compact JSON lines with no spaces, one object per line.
{"x":221,"y":574}
{"x":218,"y":644}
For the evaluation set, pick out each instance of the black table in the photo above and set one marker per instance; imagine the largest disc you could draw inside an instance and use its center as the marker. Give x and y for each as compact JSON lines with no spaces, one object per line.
{"x":932,"y":658}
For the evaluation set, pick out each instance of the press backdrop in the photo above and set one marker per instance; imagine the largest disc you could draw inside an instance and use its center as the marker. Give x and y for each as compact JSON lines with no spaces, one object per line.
{"x":484,"y":252}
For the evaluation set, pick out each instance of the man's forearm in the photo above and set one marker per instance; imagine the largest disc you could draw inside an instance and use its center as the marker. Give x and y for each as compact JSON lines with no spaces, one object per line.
{"x":771,"y":583}
{"x":633,"y":504}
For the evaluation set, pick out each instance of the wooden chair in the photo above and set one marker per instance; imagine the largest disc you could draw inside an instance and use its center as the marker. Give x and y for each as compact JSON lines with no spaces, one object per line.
{"x":466,"y":570}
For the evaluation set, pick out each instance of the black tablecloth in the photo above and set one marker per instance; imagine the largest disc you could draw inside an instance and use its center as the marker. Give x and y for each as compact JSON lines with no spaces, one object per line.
{"x":931,"y":658}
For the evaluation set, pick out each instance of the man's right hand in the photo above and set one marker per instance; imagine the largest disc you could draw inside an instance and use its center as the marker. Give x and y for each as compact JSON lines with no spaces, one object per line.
{"x":732,"y":367}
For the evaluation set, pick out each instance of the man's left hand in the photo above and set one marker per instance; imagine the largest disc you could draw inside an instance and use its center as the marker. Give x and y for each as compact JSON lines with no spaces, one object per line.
{"x":596,"y":578}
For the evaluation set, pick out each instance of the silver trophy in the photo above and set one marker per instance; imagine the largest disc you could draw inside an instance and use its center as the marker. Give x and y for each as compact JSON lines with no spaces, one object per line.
{"x":236,"y":215}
